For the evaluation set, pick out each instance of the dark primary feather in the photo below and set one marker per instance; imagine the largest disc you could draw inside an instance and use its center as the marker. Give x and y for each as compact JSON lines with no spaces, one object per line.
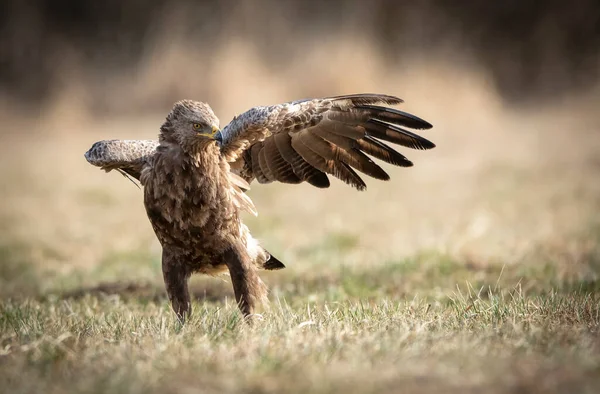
{"x":392,"y":115}
{"x":352,"y":156}
{"x":393,"y":133}
{"x":369,"y":98}
{"x":316,"y":137}
{"x":383,"y":152}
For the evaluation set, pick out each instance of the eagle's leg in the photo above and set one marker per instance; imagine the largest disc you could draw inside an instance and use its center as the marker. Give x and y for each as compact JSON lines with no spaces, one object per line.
{"x":249,"y":289}
{"x":176,"y":283}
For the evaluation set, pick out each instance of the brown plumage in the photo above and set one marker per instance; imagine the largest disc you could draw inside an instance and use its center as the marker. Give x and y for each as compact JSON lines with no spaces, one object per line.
{"x":195,"y":177}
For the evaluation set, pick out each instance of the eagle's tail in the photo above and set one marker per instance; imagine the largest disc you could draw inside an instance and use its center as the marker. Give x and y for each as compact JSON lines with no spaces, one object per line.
{"x":272,"y":263}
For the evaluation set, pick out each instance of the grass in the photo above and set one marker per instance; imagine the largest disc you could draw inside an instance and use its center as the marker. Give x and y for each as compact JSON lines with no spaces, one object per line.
{"x":478,"y":270}
{"x":103,"y":344}
{"x":425,"y":323}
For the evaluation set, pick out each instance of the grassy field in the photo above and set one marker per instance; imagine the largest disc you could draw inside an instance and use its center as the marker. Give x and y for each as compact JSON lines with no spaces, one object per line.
{"x":478,"y":270}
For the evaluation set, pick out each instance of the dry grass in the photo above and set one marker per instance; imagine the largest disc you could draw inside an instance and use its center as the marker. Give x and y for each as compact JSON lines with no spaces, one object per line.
{"x":503,"y":344}
{"x":476,"y":270}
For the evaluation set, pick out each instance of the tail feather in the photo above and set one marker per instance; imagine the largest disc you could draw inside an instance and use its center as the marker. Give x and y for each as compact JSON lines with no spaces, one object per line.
{"x":272,"y":263}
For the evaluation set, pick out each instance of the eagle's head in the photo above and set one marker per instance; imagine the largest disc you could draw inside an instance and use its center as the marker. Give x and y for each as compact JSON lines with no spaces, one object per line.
{"x":189,"y":122}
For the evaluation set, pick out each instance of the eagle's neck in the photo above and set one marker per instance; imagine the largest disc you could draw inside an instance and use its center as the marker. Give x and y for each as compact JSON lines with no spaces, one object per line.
{"x":202,"y":152}
{"x":197,"y":152}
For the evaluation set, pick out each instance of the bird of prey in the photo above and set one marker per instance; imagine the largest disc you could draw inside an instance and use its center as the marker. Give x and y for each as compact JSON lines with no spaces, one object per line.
{"x":196,"y":175}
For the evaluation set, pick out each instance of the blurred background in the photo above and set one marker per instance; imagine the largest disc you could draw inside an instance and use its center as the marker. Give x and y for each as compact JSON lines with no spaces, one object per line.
{"x":511,"y":88}
{"x":529,"y":51}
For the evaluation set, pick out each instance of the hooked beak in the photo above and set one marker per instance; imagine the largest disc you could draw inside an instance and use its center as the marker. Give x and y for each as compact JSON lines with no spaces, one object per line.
{"x":216,"y":134}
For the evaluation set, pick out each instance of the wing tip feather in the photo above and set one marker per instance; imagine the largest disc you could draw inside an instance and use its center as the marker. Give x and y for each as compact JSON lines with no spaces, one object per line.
{"x":369,"y":98}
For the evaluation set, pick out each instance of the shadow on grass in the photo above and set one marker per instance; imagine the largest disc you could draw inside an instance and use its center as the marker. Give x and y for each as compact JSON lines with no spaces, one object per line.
{"x":428,"y":275}
{"x":436,"y":276}
{"x":142,"y":292}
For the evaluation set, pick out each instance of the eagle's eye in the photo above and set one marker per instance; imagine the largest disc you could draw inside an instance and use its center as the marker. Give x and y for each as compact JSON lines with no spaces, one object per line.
{"x":197,"y":126}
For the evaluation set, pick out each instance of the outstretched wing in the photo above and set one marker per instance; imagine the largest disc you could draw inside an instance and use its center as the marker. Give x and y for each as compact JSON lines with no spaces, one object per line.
{"x":125,"y":156}
{"x":305,"y":140}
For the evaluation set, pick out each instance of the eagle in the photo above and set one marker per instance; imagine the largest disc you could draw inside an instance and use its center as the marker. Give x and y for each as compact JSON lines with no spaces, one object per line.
{"x":195,"y":176}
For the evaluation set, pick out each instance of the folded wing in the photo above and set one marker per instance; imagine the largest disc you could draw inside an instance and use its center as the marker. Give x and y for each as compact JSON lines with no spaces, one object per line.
{"x":125,"y":156}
